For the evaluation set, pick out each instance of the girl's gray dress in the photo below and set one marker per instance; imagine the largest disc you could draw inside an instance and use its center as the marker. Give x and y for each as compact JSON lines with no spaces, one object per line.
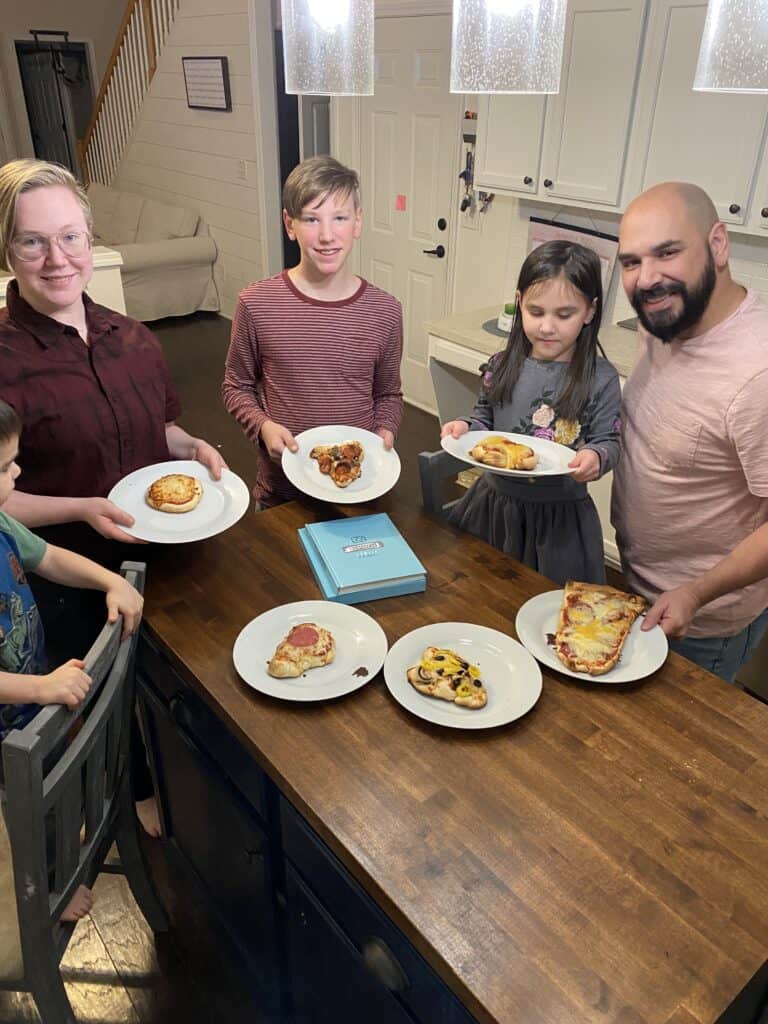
{"x":549,"y":523}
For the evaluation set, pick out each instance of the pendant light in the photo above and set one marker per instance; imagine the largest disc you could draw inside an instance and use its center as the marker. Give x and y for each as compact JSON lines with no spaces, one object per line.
{"x":507,"y":45}
{"x":734,"y":47}
{"x":328,"y":47}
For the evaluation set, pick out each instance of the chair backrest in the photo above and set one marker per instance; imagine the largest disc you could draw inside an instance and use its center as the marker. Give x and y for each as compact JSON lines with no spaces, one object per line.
{"x":63,"y":773}
{"x":434,"y":468}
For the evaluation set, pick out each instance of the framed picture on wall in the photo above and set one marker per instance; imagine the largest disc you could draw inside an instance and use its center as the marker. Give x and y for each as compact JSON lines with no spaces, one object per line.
{"x":206,"y":80}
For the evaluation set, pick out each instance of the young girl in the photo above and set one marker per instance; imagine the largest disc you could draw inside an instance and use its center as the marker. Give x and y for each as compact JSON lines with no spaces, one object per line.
{"x":549,"y":382}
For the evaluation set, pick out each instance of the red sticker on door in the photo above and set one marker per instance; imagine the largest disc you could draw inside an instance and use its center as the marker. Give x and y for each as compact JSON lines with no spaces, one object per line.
{"x":399,"y":202}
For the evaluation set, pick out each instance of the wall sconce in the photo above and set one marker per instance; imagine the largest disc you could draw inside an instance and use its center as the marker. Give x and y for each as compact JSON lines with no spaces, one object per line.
{"x":507,"y":45}
{"x":328,"y":47}
{"x":734,"y":47}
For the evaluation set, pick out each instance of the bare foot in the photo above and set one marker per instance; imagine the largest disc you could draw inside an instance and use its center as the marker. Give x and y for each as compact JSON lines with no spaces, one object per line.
{"x":79,"y":905}
{"x":149,"y":816}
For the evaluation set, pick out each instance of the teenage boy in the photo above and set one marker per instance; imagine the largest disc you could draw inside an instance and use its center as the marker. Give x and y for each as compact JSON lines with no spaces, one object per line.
{"x":25,"y":682}
{"x":316,"y":344}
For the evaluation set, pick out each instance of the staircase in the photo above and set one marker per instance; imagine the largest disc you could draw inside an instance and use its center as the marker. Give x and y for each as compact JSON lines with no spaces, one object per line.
{"x":140,"y":40}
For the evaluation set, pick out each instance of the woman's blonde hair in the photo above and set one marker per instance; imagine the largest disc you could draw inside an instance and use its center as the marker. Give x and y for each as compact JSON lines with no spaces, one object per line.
{"x":21,"y":176}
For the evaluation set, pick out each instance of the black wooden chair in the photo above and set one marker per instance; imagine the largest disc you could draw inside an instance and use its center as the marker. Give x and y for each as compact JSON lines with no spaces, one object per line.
{"x":68,"y":798}
{"x":434,"y":468}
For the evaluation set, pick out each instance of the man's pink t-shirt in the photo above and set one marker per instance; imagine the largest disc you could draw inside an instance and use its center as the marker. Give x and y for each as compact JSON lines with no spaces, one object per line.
{"x":692,"y":481}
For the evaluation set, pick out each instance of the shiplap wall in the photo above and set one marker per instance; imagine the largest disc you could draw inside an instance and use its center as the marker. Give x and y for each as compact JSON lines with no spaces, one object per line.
{"x":205,"y":159}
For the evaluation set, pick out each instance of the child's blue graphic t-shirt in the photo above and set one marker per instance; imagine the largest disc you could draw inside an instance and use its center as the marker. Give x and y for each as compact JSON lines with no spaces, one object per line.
{"x":22,"y":644}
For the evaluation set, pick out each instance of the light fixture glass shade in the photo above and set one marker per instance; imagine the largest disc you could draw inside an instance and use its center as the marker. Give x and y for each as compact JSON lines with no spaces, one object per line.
{"x":328,"y":47}
{"x":734,"y":47}
{"x":507,"y":45}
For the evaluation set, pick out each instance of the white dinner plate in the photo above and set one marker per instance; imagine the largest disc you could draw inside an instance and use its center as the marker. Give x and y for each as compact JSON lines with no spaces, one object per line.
{"x":380,"y":468}
{"x":510,"y":675}
{"x":361,"y":647}
{"x":553,"y":457}
{"x":222,"y":504}
{"x":643,"y":653}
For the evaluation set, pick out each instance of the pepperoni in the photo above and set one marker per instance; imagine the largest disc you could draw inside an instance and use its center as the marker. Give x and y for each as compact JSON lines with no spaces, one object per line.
{"x":303,"y":636}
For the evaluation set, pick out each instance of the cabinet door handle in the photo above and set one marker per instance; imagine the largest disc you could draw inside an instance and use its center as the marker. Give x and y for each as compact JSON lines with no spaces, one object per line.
{"x":734,"y":208}
{"x":548,"y":183}
{"x":438,"y":251}
{"x":527,"y":180}
{"x":764,"y":212}
{"x":383,"y":965}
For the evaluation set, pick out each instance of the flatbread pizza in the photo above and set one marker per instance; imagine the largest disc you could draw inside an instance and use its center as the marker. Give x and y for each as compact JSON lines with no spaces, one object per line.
{"x":341,"y":462}
{"x":593,"y":625}
{"x":501,"y":453}
{"x":443,"y":674}
{"x":175,"y":492}
{"x":306,"y":646}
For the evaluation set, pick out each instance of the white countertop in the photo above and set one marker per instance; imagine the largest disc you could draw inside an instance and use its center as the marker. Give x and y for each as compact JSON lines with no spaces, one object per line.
{"x":467,"y":329}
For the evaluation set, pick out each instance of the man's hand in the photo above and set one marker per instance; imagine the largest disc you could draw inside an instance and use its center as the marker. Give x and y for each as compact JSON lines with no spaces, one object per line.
{"x":106,"y":518}
{"x":387,"y":436}
{"x":209,"y":457}
{"x":123,"y":599}
{"x":67,"y":684}
{"x":276,"y":438}
{"x":454,"y":428}
{"x":586,"y":466}
{"x":673,"y":611}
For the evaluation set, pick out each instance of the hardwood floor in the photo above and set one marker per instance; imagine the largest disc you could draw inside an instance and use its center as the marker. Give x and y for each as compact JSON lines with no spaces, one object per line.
{"x":115,"y":970}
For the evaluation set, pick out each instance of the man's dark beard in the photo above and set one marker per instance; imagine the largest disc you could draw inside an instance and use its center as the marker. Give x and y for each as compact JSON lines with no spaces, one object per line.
{"x":666,"y":325}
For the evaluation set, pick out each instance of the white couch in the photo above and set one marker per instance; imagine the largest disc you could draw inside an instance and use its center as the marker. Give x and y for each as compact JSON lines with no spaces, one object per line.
{"x":167,"y":256}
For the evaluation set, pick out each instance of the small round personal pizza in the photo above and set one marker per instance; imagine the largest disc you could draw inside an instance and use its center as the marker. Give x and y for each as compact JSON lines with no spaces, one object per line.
{"x":176,"y":492}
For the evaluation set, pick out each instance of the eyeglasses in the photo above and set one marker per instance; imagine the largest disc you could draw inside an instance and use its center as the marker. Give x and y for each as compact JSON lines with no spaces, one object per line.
{"x":29,"y":247}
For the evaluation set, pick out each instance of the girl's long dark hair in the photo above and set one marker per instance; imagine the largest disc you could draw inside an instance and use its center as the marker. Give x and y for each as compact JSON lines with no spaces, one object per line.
{"x":581,"y":268}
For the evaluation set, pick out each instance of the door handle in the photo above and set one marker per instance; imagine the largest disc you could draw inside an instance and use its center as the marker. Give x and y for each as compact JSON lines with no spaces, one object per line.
{"x":438,"y":251}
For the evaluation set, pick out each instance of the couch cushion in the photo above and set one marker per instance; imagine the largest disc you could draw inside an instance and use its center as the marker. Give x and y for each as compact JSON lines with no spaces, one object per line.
{"x":160,"y":221}
{"x":125,"y":219}
{"x":103,"y":201}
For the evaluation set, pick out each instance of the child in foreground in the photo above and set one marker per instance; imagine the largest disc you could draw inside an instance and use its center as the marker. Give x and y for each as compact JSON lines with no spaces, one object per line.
{"x":26,"y":684}
{"x":550,"y":383}
{"x":316,"y":344}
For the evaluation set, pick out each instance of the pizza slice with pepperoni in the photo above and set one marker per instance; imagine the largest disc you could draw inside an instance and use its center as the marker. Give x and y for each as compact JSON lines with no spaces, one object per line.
{"x":341,"y":462}
{"x":306,"y":646}
{"x":594,"y":623}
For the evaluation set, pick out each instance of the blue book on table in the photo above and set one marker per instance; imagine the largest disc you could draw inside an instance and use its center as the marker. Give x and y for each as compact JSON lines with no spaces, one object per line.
{"x":362,"y":557}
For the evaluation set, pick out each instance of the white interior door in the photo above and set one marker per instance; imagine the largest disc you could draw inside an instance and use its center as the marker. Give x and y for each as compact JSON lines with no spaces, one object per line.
{"x":409,"y":133}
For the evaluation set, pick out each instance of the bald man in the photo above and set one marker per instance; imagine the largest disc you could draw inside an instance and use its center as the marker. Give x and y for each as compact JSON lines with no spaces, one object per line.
{"x":690,"y":495}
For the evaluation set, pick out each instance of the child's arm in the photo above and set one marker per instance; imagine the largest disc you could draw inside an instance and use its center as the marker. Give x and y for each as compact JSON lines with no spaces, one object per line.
{"x":387,"y":387}
{"x":67,"y":684}
{"x":602,"y":446}
{"x":242,"y":374}
{"x":46,"y":510}
{"x":61,"y":566}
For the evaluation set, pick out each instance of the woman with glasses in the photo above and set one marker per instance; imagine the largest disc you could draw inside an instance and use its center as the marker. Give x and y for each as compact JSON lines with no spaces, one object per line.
{"x":90,"y":385}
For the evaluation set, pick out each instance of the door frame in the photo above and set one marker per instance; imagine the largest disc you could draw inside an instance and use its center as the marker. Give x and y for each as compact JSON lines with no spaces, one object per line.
{"x":346,"y":136}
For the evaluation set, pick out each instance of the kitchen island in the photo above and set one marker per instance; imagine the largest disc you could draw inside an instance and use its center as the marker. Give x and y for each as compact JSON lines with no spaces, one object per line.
{"x":601,"y":859}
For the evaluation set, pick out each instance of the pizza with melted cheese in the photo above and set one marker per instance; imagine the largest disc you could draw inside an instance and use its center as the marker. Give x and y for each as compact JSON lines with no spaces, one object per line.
{"x":594,"y":622}
{"x":306,"y":646}
{"x":501,"y":453}
{"x":341,"y":462}
{"x":444,"y":674}
{"x":175,"y":492}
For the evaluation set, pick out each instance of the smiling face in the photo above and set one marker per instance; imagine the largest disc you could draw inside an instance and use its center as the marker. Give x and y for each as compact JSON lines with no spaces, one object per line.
{"x":325,"y":230}
{"x":54,"y":283}
{"x":668,"y":267}
{"x":554,"y":313}
{"x":9,"y":469}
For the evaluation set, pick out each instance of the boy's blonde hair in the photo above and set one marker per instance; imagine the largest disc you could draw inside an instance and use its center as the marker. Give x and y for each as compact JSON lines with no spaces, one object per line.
{"x":316,"y":178}
{"x":21,"y":176}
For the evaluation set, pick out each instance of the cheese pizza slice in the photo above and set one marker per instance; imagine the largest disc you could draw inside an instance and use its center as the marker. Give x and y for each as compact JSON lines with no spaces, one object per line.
{"x":594,"y":622}
{"x":501,"y":453}
{"x":342,"y":462}
{"x":306,"y":646}
{"x":444,"y":674}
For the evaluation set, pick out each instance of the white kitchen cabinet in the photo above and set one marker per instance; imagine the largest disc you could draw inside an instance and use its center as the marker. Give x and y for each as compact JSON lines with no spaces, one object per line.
{"x":712,"y":139}
{"x":757,"y":218}
{"x":569,"y":146}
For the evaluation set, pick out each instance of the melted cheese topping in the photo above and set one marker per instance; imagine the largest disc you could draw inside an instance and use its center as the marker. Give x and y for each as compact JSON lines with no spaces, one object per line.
{"x":593,"y":630}
{"x":449,"y":662}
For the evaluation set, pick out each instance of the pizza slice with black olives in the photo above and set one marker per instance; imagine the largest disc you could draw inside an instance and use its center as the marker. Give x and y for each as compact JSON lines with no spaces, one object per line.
{"x":446,"y":675}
